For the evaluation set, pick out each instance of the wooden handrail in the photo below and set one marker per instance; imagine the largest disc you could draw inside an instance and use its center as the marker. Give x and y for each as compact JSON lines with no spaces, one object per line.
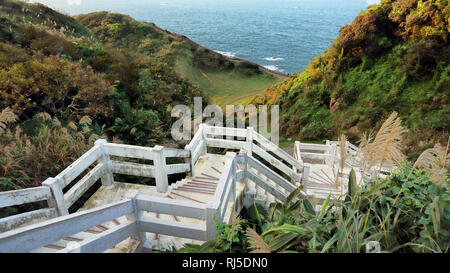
{"x":216,"y":209}
{"x":37,"y":235}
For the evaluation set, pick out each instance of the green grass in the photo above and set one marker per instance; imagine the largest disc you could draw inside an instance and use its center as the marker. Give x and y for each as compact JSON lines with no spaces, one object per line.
{"x":247,"y":100}
{"x":224,"y":86}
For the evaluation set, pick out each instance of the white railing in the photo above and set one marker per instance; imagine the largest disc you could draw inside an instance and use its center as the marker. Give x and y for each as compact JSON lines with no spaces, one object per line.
{"x":158,"y":154}
{"x":26,"y":196}
{"x":38,"y":235}
{"x":252,"y":142}
{"x":104,"y":160}
{"x":226,"y":192}
{"x":98,"y":165}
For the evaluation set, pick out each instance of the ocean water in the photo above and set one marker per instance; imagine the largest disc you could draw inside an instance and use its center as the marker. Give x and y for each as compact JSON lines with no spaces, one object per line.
{"x":282,"y":35}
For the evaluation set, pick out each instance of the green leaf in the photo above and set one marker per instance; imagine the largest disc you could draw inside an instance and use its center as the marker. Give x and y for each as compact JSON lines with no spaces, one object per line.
{"x":308,"y":207}
{"x":324,"y":206}
{"x":330,"y":242}
{"x":286,"y":228}
{"x":281,"y":240}
{"x":293,"y":194}
{"x":351,"y":184}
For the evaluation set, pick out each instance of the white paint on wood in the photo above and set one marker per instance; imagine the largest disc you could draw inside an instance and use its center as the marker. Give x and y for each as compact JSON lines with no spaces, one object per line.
{"x":159,"y":162}
{"x":107,"y":177}
{"x":275,"y":162}
{"x":297,"y":152}
{"x":225,"y":143}
{"x":130,"y":151}
{"x":225,"y":131}
{"x":83,"y":185}
{"x":105,"y":241}
{"x":79,"y":166}
{"x":315,"y":147}
{"x":130,"y":168}
{"x":170,"y":152}
{"x":172,"y":228}
{"x":227,"y":196}
{"x":197,"y":138}
{"x":14,"y":221}
{"x":224,"y":178}
{"x":252,"y":162}
{"x":263,"y":184}
{"x":24,"y":196}
{"x":171,"y":206}
{"x":178,"y":168}
{"x":305,"y":176}
{"x":270,"y":146}
{"x":211,"y":217}
{"x":249,"y":140}
{"x":332,"y":157}
{"x":240,"y":175}
{"x":55,"y":185}
{"x":315,"y":156}
{"x":198,"y":151}
{"x":37,"y":235}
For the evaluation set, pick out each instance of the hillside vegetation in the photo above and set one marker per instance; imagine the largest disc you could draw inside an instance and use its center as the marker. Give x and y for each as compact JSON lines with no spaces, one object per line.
{"x":67,"y":81}
{"x":219,"y":77}
{"x":393,"y":57}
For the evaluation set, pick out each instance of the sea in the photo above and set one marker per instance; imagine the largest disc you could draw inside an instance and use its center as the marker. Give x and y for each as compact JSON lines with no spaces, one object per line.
{"x":282,"y":35}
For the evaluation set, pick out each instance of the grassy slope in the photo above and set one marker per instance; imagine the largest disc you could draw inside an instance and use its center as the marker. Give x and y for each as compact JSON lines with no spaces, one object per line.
{"x":223,"y":86}
{"x":219,"y":77}
{"x":394,"y":57}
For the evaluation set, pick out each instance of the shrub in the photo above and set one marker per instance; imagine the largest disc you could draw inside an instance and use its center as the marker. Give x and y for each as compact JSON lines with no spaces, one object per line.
{"x":53,"y":85}
{"x":247,"y":68}
{"x":205,"y":58}
{"x":230,"y":238}
{"x":138,"y":127}
{"x":407,"y":212}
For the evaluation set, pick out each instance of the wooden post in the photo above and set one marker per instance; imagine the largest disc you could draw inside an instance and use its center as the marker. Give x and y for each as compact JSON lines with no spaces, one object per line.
{"x":249,"y":191}
{"x":333,"y":151}
{"x":244,"y":167}
{"x":233,"y":186}
{"x":298,"y":158}
{"x":211,"y":215}
{"x":249,"y":140}
{"x":58,"y":197}
{"x":107,"y":177}
{"x":296,"y":155}
{"x":159,"y":162}
{"x":188,"y":160}
{"x":298,"y":152}
{"x":203,"y":134}
{"x":305,"y":176}
{"x":138,"y":215}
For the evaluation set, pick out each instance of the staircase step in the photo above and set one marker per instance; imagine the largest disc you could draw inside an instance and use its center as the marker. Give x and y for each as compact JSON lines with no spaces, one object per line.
{"x":202,"y":185}
{"x":202,"y":181}
{"x":195,"y":191}
{"x":215,"y":169}
{"x":204,"y":190}
{"x":186,"y":197}
{"x":210,"y":176}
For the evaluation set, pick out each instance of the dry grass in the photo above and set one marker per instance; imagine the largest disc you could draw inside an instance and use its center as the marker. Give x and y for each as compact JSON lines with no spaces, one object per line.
{"x":257,"y":243}
{"x":7,"y":116}
{"x":30,"y":159}
{"x":436,"y":160}
{"x":387,"y":146}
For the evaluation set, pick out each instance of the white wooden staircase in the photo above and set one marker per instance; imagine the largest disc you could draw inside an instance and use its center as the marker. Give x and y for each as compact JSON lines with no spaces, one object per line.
{"x":124,"y":217}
